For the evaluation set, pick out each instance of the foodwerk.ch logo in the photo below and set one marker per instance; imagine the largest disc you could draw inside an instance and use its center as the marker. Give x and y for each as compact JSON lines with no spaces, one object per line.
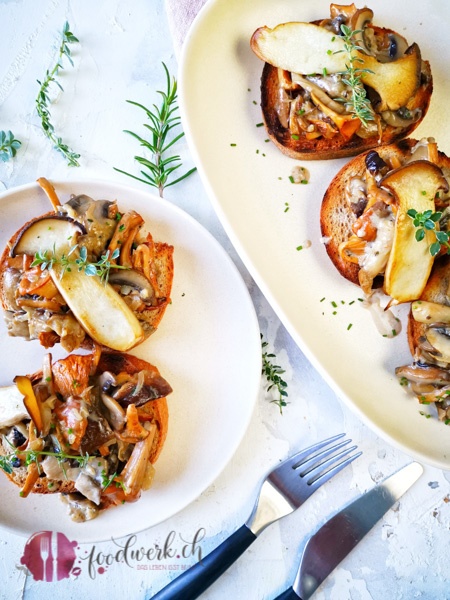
{"x":51,"y":556}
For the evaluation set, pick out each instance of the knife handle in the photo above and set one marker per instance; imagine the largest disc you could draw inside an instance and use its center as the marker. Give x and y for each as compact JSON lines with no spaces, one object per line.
{"x":198,"y":578}
{"x":288,"y":594}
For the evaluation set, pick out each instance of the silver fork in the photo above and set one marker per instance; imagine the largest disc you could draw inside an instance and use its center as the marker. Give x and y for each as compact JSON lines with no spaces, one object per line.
{"x":284,"y":489}
{"x":45,"y":553}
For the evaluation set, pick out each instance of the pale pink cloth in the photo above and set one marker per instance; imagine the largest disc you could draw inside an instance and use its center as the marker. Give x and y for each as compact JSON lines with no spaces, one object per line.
{"x":180,"y":14}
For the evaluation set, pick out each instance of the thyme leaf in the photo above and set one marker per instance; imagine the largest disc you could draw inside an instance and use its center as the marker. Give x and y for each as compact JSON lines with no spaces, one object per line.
{"x":273,"y":374}
{"x":46,"y":259}
{"x":9,"y":461}
{"x":426,"y":221}
{"x":8,"y":145}
{"x":43,"y":98}
{"x":163,"y":121}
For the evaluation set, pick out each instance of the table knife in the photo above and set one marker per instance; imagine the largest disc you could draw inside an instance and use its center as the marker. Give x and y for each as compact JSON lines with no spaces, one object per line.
{"x":340,"y":534}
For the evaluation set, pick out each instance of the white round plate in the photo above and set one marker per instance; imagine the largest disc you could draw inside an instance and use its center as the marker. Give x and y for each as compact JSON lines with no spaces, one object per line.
{"x":207,"y":346}
{"x":268,"y":218}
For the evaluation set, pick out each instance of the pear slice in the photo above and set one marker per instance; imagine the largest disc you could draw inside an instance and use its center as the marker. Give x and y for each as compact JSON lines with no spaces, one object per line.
{"x":414,"y":186}
{"x":302,"y":48}
{"x":306,"y":49}
{"x":100,"y":310}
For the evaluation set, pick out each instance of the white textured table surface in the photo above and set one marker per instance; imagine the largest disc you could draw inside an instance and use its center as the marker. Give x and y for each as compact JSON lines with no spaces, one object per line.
{"x":122,"y":45}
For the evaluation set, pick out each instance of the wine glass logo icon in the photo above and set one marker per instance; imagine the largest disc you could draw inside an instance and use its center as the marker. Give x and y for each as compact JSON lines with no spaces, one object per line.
{"x":49,"y":556}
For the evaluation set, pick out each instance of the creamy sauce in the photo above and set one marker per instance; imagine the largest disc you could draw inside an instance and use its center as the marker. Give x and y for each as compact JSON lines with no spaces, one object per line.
{"x":387,"y":324}
{"x":376,"y":253}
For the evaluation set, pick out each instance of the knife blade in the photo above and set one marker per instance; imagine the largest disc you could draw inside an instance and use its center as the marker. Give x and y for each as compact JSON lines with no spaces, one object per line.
{"x":339,"y":535}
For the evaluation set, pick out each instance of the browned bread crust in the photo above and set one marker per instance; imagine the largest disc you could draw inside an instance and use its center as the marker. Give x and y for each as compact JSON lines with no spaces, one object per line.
{"x":301,"y":148}
{"x":337,"y":217}
{"x":154,"y":410}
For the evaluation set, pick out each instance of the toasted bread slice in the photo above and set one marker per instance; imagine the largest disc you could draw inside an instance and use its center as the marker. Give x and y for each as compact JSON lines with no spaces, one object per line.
{"x":53,"y":318}
{"x":301,"y":148}
{"x":64,"y":371}
{"x":337,"y":216}
{"x":302,"y":126}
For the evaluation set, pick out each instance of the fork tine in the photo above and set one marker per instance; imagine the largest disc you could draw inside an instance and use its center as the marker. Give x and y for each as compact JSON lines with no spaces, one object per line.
{"x":317,"y":459}
{"x":320,"y":479}
{"x":296,"y":460}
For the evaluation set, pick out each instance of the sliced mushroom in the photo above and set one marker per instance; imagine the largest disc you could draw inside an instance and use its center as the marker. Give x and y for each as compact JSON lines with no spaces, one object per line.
{"x":142,"y":388}
{"x":439,"y":338}
{"x":106,"y":380}
{"x":430,"y":312}
{"x":358,"y":23}
{"x":313,"y":88}
{"x":401,"y":119}
{"x":423,"y":373}
{"x":134,"y":472}
{"x":135,"y":280}
{"x":116,"y":414}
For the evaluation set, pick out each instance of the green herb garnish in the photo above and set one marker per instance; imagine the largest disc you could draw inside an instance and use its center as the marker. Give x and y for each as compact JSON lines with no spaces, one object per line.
{"x":272,"y":373}
{"x":163,"y":121}
{"x":46,"y":259}
{"x":426,"y":221}
{"x":8,"y":461}
{"x":8,"y":145}
{"x":43,"y":99}
{"x":359,"y":104}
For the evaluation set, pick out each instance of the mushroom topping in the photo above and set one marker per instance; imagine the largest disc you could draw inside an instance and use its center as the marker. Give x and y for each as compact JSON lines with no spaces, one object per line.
{"x":439,"y":337}
{"x":134,"y":472}
{"x":430,"y":312}
{"x":80,"y":508}
{"x":124,"y":234}
{"x":401,"y":117}
{"x":142,"y":387}
{"x":423,"y":373}
{"x":116,"y":414}
{"x":136,"y":281}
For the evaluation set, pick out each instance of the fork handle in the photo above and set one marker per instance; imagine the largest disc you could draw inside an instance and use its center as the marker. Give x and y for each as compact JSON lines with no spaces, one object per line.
{"x":288,"y":594}
{"x":198,"y":578}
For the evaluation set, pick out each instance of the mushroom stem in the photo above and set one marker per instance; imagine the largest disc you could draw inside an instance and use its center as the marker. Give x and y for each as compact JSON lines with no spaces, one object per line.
{"x":50,"y":191}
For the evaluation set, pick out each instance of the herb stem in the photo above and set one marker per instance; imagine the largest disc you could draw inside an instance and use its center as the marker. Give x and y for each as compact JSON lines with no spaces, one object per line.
{"x":43,"y":99}
{"x":359,"y":104}
{"x":273,"y":374}
{"x":163,"y":121}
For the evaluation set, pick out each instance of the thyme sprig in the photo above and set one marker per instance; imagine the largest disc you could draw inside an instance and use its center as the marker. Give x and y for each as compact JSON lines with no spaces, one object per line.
{"x":426,"y":221}
{"x":359,"y":104}
{"x":163,"y":121}
{"x":273,"y":374}
{"x":9,"y":461}
{"x":43,"y":98}
{"x":46,"y":259}
{"x":8,"y":145}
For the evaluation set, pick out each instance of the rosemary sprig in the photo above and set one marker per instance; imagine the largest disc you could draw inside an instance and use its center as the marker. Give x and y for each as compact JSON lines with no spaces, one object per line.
{"x":9,"y":461}
{"x":426,"y":221}
{"x":163,"y":121}
{"x":273,"y":374}
{"x":8,"y":145}
{"x":359,"y":104}
{"x":46,"y":259}
{"x":43,"y":98}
